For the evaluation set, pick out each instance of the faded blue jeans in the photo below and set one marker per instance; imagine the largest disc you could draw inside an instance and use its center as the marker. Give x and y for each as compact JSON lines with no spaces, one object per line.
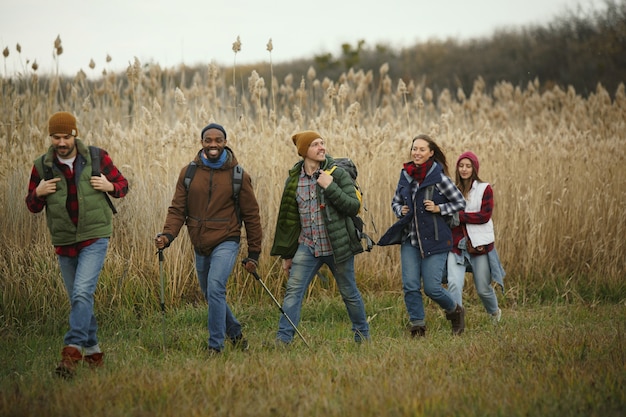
{"x":416,"y":269}
{"x":482,"y":278}
{"x":303,"y":268}
{"x":80,"y":276}
{"x":213,"y":272}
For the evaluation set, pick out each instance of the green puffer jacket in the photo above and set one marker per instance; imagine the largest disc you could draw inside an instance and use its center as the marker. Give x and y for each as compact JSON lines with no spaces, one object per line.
{"x":340,"y":202}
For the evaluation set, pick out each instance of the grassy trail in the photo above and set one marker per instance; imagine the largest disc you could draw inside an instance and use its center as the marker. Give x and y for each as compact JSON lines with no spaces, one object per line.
{"x":541,"y":360}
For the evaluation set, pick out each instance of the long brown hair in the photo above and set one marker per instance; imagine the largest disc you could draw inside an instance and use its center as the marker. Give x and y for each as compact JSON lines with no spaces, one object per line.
{"x":465,"y":187}
{"x":438,"y":154}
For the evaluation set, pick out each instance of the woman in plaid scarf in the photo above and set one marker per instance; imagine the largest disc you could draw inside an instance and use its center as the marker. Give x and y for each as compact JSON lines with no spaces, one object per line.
{"x":425,"y":195}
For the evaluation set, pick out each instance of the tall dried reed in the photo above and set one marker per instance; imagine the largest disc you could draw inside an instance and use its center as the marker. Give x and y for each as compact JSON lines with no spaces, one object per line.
{"x":556,"y":162}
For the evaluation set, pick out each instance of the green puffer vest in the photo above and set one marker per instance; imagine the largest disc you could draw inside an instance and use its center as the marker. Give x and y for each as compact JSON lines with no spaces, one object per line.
{"x":341,"y":203}
{"x":94,"y":214}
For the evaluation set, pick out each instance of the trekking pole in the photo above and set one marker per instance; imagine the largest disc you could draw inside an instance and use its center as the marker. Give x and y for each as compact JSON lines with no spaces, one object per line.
{"x":258,"y":278}
{"x":162,"y":293}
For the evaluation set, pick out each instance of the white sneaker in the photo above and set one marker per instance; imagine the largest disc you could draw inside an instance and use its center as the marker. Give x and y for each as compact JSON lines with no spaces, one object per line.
{"x":495,"y":317}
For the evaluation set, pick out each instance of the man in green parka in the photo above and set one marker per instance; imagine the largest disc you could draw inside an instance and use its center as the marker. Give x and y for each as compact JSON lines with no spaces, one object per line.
{"x":314,"y":227}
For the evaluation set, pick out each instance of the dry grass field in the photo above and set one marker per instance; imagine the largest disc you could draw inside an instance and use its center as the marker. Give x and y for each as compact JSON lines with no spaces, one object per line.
{"x":556,"y":161}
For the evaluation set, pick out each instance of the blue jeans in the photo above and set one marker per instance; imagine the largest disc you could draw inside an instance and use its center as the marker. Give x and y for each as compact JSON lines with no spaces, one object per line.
{"x":80,"y":276}
{"x":482,"y":279}
{"x":416,"y":269}
{"x":213,"y":272}
{"x":303,"y":268}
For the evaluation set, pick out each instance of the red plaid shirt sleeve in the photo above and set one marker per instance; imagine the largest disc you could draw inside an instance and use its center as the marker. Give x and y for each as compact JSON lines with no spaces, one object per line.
{"x":34,"y":203}
{"x":486,"y":209}
{"x":120,"y":184}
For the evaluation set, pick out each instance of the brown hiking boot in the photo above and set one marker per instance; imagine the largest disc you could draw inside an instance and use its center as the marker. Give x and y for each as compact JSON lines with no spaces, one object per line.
{"x":457,"y":319}
{"x":70,"y":357}
{"x":95,"y":360}
{"x":417,"y":331}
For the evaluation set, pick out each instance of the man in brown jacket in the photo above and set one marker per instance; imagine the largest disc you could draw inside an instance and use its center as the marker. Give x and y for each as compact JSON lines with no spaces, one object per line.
{"x":214,"y":224}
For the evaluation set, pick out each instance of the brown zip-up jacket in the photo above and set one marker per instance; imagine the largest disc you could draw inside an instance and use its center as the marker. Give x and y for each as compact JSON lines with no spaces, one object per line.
{"x":210,"y":216}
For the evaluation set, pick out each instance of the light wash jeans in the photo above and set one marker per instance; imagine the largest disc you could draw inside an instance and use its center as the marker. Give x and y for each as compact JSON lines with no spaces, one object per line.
{"x":482,"y":278}
{"x":213,"y":272}
{"x":416,"y":269}
{"x":303,"y":268}
{"x":80,"y":276}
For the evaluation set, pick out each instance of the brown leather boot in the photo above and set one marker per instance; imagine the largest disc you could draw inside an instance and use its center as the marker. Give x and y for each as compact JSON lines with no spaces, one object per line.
{"x":70,"y":357}
{"x":457,"y":319}
{"x":95,"y":360}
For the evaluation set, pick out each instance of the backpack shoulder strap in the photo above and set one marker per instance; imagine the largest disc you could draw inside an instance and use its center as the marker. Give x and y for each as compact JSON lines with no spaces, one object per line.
{"x":94,"y":152}
{"x":47,"y":171}
{"x":428,"y":194}
{"x":191,"y":171}
{"x":331,"y":170}
{"x":237,"y":182}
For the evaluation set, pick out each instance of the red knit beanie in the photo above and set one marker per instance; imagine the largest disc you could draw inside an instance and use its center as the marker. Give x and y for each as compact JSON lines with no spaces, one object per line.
{"x":472,"y":157}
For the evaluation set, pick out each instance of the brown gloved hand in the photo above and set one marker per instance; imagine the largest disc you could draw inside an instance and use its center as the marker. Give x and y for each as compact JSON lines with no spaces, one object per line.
{"x":250,"y":265}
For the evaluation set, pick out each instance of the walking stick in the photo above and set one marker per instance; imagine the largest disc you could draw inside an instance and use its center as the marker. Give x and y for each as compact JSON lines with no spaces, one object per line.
{"x":258,"y":278}
{"x":162,"y":293}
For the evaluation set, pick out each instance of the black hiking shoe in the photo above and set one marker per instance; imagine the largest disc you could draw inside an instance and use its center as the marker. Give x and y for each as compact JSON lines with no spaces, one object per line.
{"x":240,"y":342}
{"x":417,"y":331}
{"x":214,"y":352}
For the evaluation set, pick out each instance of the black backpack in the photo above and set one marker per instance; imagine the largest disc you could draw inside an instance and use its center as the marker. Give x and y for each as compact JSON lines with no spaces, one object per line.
{"x":237,"y":181}
{"x":94,"y":152}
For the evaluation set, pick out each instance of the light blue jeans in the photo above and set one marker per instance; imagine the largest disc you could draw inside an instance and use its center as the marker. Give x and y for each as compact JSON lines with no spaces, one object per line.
{"x":80,"y":276}
{"x":416,"y":269}
{"x":482,"y":278}
{"x":213,"y":272}
{"x":303,"y":268}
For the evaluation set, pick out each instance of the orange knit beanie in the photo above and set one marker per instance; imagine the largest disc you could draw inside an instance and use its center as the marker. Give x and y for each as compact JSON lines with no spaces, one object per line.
{"x":62,"y":122}
{"x":303,"y":140}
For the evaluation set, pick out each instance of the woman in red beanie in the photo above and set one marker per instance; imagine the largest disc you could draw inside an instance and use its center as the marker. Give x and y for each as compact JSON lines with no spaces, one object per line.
{"x":474,"y":239}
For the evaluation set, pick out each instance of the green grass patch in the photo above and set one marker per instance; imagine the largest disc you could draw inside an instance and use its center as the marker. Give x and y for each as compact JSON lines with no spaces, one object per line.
{"x":548,"y":360}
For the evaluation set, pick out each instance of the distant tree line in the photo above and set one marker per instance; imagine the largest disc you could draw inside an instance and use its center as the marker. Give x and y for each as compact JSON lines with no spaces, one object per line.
{"x":580,"y":49}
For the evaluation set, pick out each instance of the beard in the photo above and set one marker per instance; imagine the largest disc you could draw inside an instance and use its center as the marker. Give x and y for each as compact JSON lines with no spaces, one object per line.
{"x":64,"y":151}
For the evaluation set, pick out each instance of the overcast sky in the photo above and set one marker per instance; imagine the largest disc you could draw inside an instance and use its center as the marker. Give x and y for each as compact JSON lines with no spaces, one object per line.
{"x":199,"y":32}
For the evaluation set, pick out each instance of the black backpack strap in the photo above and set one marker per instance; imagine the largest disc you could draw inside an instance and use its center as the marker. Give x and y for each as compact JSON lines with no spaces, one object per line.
{"x":191,"y":171}
{"x":47,"y":171}
{"x":94,"y":153}
{"x":237,"y":181}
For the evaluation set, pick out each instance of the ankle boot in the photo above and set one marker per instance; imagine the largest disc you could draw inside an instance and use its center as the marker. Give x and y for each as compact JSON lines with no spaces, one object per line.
{"x":70,"y":357}
{"x":457,"y":319}
{"x":95,"y":360}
